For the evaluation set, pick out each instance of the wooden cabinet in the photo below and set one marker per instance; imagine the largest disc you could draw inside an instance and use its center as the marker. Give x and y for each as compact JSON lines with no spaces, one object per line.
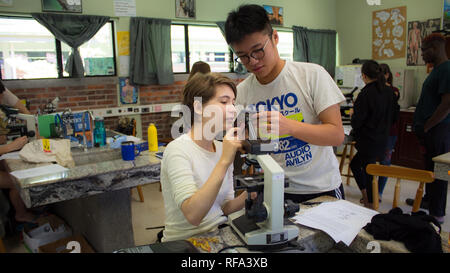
{"x":407,"y":152}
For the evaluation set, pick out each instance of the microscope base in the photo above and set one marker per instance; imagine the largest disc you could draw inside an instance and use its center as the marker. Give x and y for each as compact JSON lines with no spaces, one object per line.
{"x":258,"y":237}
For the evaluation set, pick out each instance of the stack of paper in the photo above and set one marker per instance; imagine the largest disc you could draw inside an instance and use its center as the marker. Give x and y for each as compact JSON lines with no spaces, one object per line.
{"x":341,"y":220}
{"x":38,"y":171}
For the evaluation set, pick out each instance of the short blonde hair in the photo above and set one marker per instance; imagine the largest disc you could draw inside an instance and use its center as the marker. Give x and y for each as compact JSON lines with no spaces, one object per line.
{"x":204,"y":86}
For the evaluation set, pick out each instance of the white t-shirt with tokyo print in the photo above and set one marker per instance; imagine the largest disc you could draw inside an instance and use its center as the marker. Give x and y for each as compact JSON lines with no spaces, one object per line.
{"x":300,"y":92}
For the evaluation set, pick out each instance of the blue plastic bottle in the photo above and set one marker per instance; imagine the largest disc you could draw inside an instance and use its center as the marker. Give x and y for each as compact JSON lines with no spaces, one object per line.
{"x":99,"y":132}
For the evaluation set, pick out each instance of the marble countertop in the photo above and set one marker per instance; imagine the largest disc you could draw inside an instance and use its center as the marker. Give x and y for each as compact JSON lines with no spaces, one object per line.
{"x":96,"y":171}
{"x":78,"y":172}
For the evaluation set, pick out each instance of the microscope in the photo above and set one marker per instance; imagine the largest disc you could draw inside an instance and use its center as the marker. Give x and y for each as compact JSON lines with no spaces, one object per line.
{"x":18,"y":124}
{"x":262,"y":225}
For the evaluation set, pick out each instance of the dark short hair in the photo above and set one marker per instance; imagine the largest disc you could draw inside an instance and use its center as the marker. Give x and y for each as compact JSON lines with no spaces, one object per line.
{"x":2,"y":87}
{"x":247,"y":19}
{"x":204,"y":86}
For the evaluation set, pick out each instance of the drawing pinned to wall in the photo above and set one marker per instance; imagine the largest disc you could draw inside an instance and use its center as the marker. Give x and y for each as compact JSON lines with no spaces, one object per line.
{"x":417,"y":31}
{"x":123,"y":43}
{"x":128,"y":92}
{"x":62,"y":5}
{"x":389,"y":33}
{"x":185,"y":8}
{"x":6,"y":3}
{"x":275,"y":15}
{"x":446,"y":23}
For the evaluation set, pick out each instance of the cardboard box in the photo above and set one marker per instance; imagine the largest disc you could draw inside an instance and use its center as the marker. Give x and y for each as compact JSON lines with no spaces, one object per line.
{"x":78,"y":245}
{"x":50,"y":229}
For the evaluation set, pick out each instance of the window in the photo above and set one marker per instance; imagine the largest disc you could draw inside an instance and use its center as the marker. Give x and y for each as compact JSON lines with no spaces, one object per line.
{"x":178,"y":49}
{"x":29,"y":51}
{"x":97,"y":53}
{"x":286,"y":45}
{"x":204,"y":43}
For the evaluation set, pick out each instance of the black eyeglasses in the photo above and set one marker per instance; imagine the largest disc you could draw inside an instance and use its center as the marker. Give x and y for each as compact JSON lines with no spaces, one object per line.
{"x":256,"y":54}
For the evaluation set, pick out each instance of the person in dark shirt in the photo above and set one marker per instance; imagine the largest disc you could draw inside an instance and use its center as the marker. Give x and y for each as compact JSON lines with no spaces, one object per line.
{"x":432,"y":118}
{"x":393,"y":132}
{"x":371,"y":120}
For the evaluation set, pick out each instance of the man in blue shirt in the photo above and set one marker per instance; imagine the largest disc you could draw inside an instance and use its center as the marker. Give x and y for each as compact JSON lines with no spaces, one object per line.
{"x":432,"y":118}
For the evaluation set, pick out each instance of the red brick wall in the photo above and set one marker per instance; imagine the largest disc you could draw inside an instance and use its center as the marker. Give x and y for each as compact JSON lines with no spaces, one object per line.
{"x":74,"y":97}
{"x":94,"y":93}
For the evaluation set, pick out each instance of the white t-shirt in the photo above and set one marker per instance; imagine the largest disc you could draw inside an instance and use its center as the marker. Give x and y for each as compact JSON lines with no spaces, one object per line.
{"x":185,"y":167}
{"x":300,"y":92}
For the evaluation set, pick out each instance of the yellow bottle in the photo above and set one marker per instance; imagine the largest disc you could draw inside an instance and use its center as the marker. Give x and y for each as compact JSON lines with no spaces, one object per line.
{"x":152,"y":135}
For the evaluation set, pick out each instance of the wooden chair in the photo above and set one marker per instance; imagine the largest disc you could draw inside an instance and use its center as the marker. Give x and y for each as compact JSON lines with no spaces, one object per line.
{"x":399,"y":173}
{"x":350,"y":157}
{"x":141,"y":194}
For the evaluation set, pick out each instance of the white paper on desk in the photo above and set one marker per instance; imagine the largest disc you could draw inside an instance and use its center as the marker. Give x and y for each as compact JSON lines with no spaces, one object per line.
{"x":34,"y":172}
{"x":341,"y":220}
{"x":13,"y":155}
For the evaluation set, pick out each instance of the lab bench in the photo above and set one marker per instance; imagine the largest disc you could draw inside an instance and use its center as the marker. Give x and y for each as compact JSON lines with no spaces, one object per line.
{"x":311,"y":240}
{"x":93,"y":197}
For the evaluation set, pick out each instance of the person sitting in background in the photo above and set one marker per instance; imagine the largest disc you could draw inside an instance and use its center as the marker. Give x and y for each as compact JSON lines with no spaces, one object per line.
{"x":201,"y":67}
{"x":393,"y":133}
{"x":8,"y":98}
{"x":371,"y":119}
{"x":196,"y":170}
{"x":7,"y":182}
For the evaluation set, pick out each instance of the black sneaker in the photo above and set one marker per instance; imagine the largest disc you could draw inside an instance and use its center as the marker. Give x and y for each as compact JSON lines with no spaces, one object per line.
{"x":423,"y":205}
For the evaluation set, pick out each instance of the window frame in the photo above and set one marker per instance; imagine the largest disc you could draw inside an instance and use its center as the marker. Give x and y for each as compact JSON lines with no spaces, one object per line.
{"x":186,"y":48}
{"x":58,"y":52}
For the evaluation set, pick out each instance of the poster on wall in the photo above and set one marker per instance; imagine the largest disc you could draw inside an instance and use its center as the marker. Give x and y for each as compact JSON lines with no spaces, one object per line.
{"x":275,"y":15}
{"x":125,"y":8}
{"x":389,"y":33}
{"x":6,"y":3}
{"x":446,"y":23}
{"x":62,"y":5}
{"x":417,"y":31}
{"x":185,"y":9}
{"x":128,"y":92}
{"x":123,"y":43}
{"x":99,"y":66}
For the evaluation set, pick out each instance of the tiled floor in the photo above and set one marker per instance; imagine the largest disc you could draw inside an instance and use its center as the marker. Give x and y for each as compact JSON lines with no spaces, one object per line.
{"x":150,"y":213}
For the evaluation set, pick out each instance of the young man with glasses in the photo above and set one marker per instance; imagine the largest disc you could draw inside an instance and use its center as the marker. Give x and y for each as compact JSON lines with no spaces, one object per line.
{"x":301,"y":98}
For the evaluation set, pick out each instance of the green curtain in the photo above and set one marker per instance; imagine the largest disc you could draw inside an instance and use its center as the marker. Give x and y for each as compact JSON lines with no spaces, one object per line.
{"x":150,"y":51}
{"x":315,"y":46}
{"x":239,"y":68}
{"x":73,"y":30}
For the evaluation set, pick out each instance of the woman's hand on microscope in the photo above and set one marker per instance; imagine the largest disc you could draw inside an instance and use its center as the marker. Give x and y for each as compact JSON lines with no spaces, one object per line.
{"x":231,"y":143}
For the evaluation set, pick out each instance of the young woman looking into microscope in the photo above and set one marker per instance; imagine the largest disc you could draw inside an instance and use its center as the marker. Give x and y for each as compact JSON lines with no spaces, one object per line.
{"x":196,"y":170}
